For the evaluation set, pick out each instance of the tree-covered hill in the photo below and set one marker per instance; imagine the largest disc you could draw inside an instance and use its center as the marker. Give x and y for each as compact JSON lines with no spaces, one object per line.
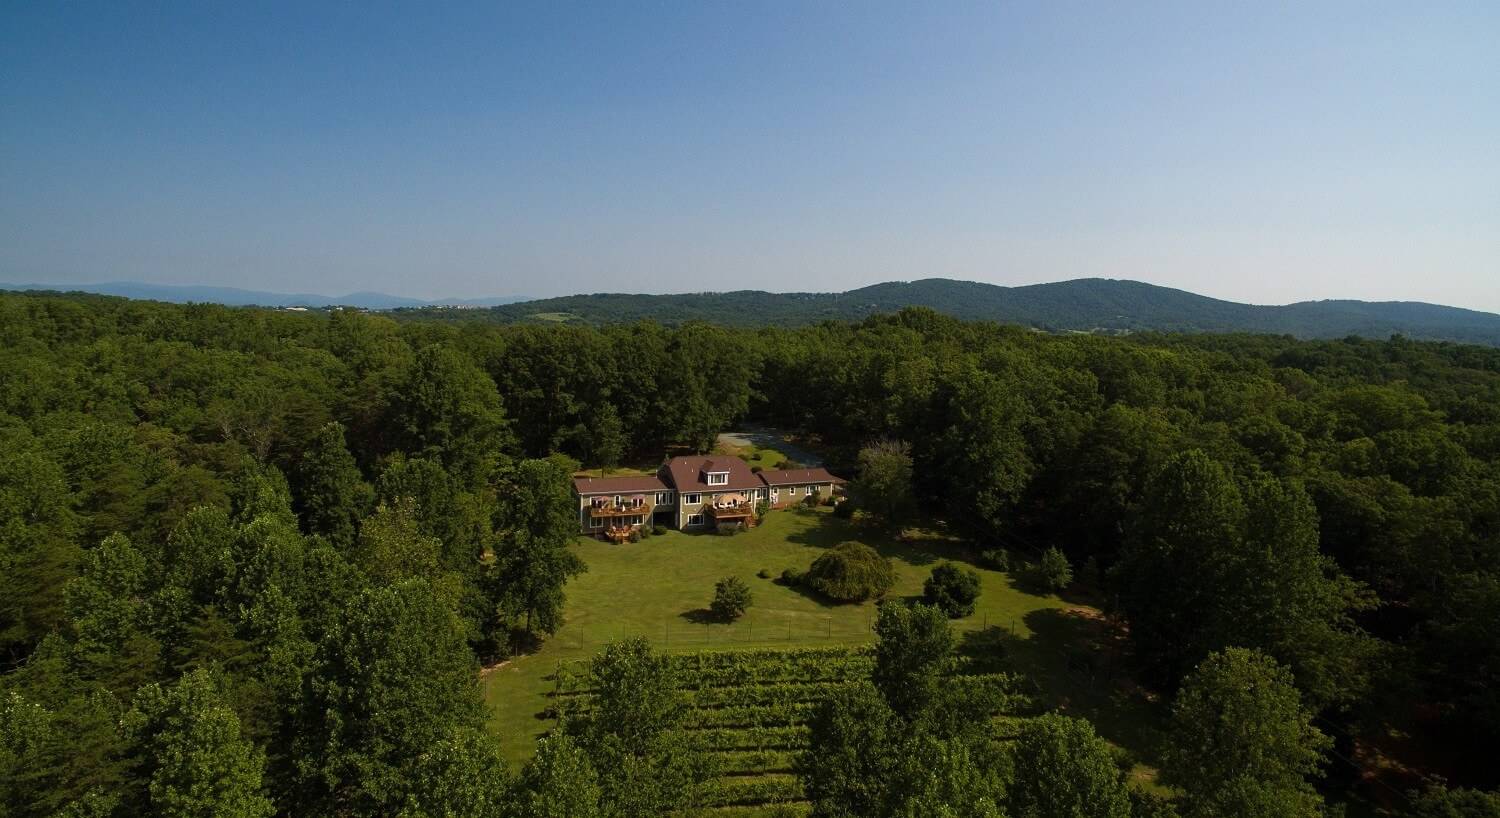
{"x":1086,"y":304}
{"x":252,"y":560}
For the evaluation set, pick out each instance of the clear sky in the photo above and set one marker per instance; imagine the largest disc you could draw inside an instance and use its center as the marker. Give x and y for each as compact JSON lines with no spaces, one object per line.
{"x":1253,"y":151}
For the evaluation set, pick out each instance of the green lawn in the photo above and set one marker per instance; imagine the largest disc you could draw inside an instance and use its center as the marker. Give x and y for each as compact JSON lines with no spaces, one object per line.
{"x":659,"y":588}
{"x":637,"y":470}
{"x":765,"y":458}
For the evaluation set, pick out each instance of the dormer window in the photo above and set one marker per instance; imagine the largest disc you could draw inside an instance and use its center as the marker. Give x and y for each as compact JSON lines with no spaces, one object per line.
{"x":718,"y":478}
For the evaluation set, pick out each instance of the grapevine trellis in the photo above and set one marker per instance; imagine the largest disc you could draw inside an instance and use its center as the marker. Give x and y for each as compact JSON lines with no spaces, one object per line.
{"x":749,"y":709}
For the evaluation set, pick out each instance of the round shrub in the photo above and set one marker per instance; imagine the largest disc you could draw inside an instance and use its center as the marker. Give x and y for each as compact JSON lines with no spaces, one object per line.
{"x":731,"y":598}
{"x":635,"y":535}
{"x":851,"y":572}
{"x":996,"y":559}
{"x":810,"y":501}
{"x":952,"y":588}
{"x":792,"y":576}
{"x":658,"y":530}
{"x":764,"y":573}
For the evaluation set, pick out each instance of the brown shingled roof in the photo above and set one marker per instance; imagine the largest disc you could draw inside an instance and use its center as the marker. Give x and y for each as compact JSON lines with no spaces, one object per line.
{"x":797,"y":477}
{"x":630,"y":484}
{"x":691,"y":473}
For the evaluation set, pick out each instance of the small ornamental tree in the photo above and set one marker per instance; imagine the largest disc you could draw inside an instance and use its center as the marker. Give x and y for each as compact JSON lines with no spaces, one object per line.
{"x":952,"y":588}
{"x":731,"y":599}
{"x":851,"y":572}
{"x":1053,"y":572}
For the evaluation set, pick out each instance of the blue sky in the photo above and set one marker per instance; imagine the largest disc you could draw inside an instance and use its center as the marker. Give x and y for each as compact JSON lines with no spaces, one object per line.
{"x":1253,"y":151}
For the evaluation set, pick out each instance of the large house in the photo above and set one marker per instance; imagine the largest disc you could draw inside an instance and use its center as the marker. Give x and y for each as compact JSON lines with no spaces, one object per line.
{"x":692,"y":493}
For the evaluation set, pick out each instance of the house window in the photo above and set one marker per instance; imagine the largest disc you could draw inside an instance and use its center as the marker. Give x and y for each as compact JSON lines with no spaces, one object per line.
{"x":691,"y":499}
{"x":718,"y":478}
{"x":695,"y":519}
{"x":595,"y":522}
{"x":663,"y":497}
{"x":617,"y":499}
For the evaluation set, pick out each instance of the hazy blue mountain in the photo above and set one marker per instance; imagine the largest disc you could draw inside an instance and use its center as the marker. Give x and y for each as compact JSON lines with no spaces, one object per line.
{"x":1088,"y":305}
{"x":236,"y":297}
{"x":1081,"y":305}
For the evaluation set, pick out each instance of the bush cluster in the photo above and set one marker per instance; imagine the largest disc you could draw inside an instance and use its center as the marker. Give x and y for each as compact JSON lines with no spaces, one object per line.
{"x":953,"y":589}
{"x":851,"y":572}
{"x":995,"y":559}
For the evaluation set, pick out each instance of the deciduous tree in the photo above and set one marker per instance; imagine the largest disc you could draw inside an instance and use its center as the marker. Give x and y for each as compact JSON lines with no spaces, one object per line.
{"x":1062,"y":768}
{"x":1241,"y":740}
{"x":193,"y":759}
{"x":884,"y":485}
{"x":334,"y":495}
{"x":913,"y":643}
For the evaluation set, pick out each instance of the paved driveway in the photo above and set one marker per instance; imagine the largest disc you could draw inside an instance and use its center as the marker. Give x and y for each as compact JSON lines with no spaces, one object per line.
{"x":767,"y":438}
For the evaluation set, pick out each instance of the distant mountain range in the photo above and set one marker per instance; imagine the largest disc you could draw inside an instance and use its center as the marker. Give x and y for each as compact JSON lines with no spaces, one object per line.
{"x":1081,"y":305}
{"x":1084,"y":305}
{"x":235,"y":297}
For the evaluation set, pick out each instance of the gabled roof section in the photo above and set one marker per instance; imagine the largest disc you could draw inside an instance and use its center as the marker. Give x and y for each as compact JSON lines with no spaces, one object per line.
{"x":691,"y":473}
{"x":797,"y":477}
{"x":631,"y":484}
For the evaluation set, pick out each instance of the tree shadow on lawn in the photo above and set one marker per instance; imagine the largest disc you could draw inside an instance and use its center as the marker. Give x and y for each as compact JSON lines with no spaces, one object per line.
{"x":1021,"y":578}
{"x":701,"y":616}
{"x":914,"y":546}
{"x":1073,"y":656}
{"x":814,"y":595}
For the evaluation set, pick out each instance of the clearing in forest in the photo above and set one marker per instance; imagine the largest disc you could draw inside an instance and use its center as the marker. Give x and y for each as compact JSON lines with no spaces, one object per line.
{"x":660,"y":588}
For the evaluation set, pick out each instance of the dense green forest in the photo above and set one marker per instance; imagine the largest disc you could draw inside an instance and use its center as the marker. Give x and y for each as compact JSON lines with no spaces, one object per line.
{"x":251,"y":561}
{"x":1084,"y":305}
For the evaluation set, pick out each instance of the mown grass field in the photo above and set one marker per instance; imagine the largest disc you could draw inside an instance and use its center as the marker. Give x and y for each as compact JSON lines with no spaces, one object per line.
{"x":660,"y":587}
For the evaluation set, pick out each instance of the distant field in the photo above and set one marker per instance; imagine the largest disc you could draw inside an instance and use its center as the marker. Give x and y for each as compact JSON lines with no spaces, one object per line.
{"x":764,"y":457}
{"x":618,"y":471}
{"x":658,"y":588}
{"x":555,"y":317}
